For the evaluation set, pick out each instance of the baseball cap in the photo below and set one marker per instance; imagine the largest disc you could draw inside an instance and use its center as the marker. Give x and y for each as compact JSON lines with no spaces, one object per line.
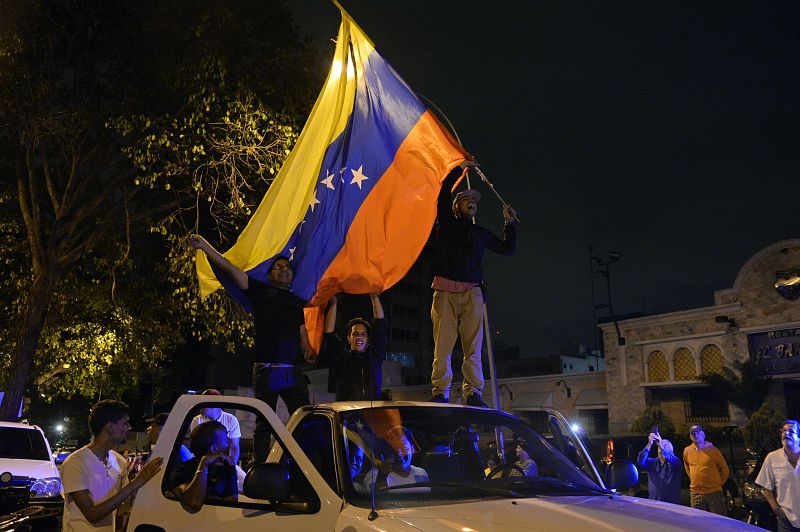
{"x":211,"y":391}
{"x":468,"y":193}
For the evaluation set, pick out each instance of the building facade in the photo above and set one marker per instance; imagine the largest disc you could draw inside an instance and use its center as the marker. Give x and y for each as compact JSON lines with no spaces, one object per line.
{"x":657,"y":360}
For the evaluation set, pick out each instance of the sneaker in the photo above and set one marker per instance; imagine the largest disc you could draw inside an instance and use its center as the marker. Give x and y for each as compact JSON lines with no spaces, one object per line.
{"x":438,"y":398}
{"x":475,"y":400}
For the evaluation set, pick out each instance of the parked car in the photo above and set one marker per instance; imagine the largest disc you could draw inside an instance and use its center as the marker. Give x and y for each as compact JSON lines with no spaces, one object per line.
{"x":330,"y":468}
{"x":29,"y":479}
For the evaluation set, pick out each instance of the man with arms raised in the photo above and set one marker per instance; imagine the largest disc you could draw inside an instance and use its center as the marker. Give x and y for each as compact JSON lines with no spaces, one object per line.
{"x":280,"y":337}
{"x":663,"y":472}
{"x":457,"y":308}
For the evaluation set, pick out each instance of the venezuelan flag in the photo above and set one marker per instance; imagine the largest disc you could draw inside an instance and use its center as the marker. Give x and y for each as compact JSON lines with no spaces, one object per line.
{"x":355,"y":200}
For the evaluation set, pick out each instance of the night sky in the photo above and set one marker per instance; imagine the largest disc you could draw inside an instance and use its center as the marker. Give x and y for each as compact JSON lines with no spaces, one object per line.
{"x":667,"y":131}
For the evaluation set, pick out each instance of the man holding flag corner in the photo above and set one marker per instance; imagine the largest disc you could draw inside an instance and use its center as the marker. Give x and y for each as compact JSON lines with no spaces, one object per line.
{"x":280,"y":336}
{"x":458,"y":301}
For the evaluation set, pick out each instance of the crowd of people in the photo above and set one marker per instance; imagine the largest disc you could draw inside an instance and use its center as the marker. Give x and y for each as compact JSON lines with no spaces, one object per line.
{"x":98,"y":481}
{"x":708,"y":471}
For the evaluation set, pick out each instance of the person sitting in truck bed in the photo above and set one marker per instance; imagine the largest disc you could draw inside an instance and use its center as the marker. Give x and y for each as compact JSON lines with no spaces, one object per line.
{"x":210,"y":474}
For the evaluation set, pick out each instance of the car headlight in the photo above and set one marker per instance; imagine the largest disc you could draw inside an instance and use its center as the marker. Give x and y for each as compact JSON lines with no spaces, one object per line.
{"x":752,"y":491}
{"x":46,"y":487}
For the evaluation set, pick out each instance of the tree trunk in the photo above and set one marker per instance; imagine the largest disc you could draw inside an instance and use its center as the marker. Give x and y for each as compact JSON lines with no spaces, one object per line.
{"x":27,"y":339}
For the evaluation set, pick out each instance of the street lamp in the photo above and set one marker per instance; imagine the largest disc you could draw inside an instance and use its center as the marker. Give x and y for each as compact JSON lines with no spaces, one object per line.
{"x":603,"y":267}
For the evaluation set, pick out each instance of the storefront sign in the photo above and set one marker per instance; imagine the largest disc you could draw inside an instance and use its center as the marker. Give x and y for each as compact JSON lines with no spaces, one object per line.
{"x":779,"y":351}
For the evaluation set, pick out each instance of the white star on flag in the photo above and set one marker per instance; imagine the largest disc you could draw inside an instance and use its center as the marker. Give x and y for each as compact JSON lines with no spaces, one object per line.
{"x":291,"y":253}
{"x":358,"y":177}
{"x":328,"y":181}
{"x":314,"y":201}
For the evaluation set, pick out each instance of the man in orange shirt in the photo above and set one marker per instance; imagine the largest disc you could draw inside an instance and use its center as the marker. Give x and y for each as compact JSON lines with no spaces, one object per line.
{"x":707,"y":472}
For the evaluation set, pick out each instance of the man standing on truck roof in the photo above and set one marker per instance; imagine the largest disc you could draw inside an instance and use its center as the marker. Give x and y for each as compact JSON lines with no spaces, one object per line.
{"x":95,"y":477}
{"x":280,"y":337}
{"x":707,"y":472}
{"x":457,"y":308}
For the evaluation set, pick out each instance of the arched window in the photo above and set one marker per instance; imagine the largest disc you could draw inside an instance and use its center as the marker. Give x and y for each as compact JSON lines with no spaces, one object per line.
{"x":711,"y":359}
{"x":685,"y":368}
{"x":657,"y":367}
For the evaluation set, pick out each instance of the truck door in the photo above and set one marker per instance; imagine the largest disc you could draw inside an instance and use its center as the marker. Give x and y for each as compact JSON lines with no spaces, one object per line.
{"x":315,"y":505}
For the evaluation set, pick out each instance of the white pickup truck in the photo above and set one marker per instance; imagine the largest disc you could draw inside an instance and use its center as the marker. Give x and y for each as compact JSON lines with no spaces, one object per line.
{"x":406,"y":467}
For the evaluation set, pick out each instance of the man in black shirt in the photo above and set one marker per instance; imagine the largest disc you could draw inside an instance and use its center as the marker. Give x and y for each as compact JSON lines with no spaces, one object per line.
{"x":280,"y":337}
{"x":457,"y":308}
{"x":355,"y":368}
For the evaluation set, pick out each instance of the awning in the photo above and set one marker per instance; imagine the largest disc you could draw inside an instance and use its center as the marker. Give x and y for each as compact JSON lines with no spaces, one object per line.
{"x":533,"y":401}
{"x":592,"y":399}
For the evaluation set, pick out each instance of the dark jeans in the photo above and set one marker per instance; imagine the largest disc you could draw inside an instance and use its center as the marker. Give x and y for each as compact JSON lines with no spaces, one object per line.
{"x":269,"y":383}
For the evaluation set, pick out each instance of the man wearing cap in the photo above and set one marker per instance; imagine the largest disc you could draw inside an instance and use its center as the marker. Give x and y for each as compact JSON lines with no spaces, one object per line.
{"x":155,"y":425}
{"x":457,"y":308}
{"x":527,"y":466}
{"x":707,"y":471}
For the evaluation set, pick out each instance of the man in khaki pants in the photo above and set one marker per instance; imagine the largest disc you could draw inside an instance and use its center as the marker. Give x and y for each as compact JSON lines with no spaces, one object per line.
{"x":458,"y":299}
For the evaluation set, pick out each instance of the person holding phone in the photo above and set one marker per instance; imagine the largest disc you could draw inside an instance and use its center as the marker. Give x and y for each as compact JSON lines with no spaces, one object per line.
{"x":663,"y":472}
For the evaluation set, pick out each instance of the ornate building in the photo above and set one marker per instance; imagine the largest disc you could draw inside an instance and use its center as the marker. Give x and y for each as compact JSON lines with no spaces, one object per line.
{"x":656,"y":360}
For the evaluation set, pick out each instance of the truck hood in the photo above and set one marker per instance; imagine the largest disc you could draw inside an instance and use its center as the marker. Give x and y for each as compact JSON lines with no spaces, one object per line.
{"x":20,"y":467}
{"x":559,"y":514}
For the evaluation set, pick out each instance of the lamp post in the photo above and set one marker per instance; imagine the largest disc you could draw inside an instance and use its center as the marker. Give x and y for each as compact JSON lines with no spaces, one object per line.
{"x":603,"y":267}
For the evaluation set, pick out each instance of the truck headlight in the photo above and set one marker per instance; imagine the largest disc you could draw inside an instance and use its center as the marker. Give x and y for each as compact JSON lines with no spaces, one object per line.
{"x":46,"y":487}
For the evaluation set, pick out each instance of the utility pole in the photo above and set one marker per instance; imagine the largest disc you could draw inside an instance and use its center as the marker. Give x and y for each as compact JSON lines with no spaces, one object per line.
{"x":603,"y":267}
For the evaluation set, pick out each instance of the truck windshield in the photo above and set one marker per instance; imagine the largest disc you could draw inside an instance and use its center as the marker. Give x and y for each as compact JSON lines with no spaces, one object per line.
{"x":433,"y":455}
{"x":22,"y":443}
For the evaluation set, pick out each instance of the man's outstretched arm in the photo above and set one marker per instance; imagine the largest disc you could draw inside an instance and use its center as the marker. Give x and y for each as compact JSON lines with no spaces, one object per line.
{"x":216,"y":259}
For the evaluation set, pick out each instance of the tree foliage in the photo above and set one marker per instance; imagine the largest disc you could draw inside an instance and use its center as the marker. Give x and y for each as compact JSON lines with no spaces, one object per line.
{"x":125,"y":126}
{"x":653,"y":416}
{"x":745,"y":389}
{"x":761,"y":434}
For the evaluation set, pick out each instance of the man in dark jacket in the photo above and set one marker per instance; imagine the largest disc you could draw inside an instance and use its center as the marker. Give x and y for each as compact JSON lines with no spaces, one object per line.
{"x":355,"y":368}
{"x":458,"y":297}
{"x":664,"y":472}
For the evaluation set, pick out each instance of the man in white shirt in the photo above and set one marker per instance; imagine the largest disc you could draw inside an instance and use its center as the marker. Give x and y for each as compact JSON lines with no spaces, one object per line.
{"x":95,"y":477}
{"x":780,"y":478}
{"x":228,"y":420}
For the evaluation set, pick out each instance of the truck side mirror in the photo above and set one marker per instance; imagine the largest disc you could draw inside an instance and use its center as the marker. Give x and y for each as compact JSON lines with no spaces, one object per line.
{"x":621,"y":475}
{"x":268,"y":482}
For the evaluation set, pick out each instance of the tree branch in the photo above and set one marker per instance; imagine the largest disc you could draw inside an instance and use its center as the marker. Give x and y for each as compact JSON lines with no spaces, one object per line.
{"x":48,"y":178}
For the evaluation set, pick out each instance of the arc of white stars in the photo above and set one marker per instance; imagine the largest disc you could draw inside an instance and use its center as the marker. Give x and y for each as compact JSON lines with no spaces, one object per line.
{"x":358,"y":176}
